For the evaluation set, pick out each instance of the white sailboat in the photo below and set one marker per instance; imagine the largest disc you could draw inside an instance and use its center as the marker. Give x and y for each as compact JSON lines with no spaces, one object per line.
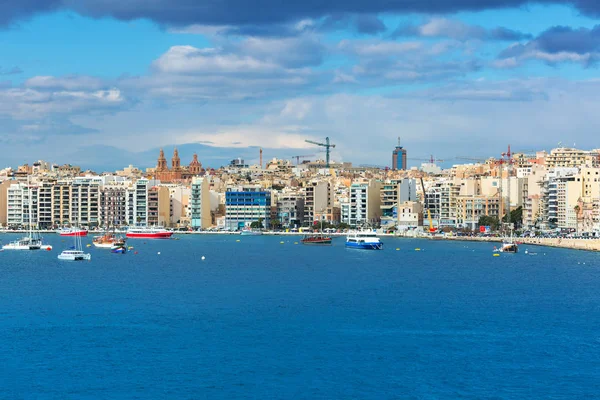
{"x":75,"y":253}
{"x":32,"y":241}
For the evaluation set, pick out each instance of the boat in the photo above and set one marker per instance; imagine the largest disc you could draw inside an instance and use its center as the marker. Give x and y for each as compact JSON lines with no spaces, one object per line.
{"x":148,"y":233}
{"x":107,"y":240}
{"x":316,"y":239}
{"x":250,"y":232}
{"x":364,"y":240}
{"x":508,"y":246}
{"x":119,"y":247}
{"x":30,"y":242}
{"x":72,"y":232}
{"x":75,"y":253}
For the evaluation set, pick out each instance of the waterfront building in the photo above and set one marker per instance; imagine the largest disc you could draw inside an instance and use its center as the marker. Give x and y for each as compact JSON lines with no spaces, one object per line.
{"x":113,"y":206}
{"x":4,"y":185}
{"x":245,"y":205}
{"x":318,"y":197}
{"x":200,"y":203}
{"x":410,"y":215}
{"x":365,"y":203}
{"x":61,"y":203}
{"x":85,"y":202}
{"x":44,"y":202}
{"x":399,"y":158}
{"x":290,"y":210}
{"x":469,"y":209}
{"x":393,"y":192}
{"x":159,"y":206}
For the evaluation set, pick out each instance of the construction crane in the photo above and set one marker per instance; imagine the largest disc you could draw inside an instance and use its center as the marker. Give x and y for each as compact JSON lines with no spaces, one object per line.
{"x":327,"y":146}
{"x":302,"y":156}
{"x":431,"y":228}
{"x":431,"y":159}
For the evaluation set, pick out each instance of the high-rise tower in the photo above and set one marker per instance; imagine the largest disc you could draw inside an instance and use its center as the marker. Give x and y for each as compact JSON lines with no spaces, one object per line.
{"x":399,"y":157}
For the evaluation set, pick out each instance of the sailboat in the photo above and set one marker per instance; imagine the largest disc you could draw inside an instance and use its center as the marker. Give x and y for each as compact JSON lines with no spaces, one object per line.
{"x":75,"y":253}
{"x":32,"y":241}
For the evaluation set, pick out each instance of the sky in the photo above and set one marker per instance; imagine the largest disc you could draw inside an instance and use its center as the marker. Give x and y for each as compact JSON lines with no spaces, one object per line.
{"x":105,"y":84}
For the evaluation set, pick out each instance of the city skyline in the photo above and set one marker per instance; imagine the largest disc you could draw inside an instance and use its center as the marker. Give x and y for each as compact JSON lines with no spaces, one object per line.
{"x":99,"y":85}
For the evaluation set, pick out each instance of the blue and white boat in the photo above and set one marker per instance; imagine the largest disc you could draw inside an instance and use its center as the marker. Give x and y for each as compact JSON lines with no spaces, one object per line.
{"x":364,"y":240}
{"x":250,"y":232}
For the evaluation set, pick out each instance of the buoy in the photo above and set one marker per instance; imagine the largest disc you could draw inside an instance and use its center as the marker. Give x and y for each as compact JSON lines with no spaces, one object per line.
{"x":281,"y":242}
{"x":496,"y":255}
{"x":417,"y":249}
{"x":135,"y":252}
{"x":203,"y":258}
{"x":158,"y":253}
{"x":89,"y":245}
{"x":295,"y":242}
{"x":238,"y":240}
{"x":130,"y":248}
{"x":397,"y":248}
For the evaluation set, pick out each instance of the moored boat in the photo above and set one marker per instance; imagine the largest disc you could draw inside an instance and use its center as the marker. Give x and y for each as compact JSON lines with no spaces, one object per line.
{"x":250,"y":232}
{"x":72,"y":232}
{"x":75,"y":253}
{"x":148,"y":233}
{"x":363,"y":240}
{"x":316,"y":239}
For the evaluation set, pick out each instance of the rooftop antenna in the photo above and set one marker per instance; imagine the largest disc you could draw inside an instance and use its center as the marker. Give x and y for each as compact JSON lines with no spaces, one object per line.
{"x":399,"y":141}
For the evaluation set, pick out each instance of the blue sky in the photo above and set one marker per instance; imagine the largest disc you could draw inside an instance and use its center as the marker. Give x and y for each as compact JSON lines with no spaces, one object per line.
{"x":450,"y":78}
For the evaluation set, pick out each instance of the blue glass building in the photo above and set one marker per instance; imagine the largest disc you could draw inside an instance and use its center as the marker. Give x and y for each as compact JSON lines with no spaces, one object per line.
{"x":250,"y":204}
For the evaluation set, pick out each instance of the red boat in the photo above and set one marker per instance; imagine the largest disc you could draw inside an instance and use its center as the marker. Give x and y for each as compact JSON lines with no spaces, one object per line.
{"x":316,"y":239}
{"x":149,"y":233}
{"x":72,"y":232}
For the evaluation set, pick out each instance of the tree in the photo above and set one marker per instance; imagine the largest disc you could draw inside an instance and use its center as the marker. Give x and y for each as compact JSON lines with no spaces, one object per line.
{"x":275,"y":223}
{"x":486,"y":220}
{"x":516,"y":217}
{"x":257,"y":224}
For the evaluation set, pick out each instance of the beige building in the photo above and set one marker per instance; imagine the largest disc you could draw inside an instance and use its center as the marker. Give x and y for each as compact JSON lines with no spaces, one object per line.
{"x":410,"y":215}
{"x":470,"y":209}
{"x":3,"y":202}
{"x":564,"y":157}
{"x":200,"y":203}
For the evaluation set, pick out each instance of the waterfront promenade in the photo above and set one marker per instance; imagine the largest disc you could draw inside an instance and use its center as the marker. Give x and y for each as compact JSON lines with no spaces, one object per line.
{"x":574,"y":244}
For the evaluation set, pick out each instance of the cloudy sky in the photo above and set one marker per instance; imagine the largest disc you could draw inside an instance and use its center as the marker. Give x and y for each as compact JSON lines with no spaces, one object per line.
{"x":106,"y":83}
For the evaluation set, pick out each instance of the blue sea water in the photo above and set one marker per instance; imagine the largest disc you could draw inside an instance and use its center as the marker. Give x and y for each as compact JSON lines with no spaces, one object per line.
{"x":258,"y":319}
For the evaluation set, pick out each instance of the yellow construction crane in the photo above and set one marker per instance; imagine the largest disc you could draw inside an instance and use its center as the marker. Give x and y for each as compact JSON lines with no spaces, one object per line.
{"x":431,"y":228}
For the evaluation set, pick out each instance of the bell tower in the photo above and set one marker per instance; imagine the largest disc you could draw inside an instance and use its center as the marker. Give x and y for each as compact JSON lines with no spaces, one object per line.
{"x":161,"y":165}
{"x":175,"y":161}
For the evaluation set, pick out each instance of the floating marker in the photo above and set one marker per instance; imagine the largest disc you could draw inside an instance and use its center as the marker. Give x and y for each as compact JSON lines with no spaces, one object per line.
{"x":417,"y":249}
{"x":238,"y":240}
{"x":135,"y":252}
{"x":203,"y":258}
{"x":496,"y":255}
{"x":398,"y":248}
{"x":281,"y":242}
{"x":158,"y":253}
{"x":295,"y":242}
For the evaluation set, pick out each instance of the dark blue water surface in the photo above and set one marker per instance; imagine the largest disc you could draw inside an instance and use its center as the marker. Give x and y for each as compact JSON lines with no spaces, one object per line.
{"x":259,"y":319}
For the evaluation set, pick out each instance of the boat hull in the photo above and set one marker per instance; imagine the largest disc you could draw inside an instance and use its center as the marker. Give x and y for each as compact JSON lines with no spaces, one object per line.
{"x":157,"y":235}
{"x":316,"y":241}
{"x":22,"y":247}
{"x":365,"y":246}
{"x":75,"y":257}
{"x":74,"y":233}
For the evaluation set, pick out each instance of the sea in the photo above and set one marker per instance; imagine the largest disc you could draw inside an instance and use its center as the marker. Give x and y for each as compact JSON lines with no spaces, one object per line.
{"x":264,"y":317}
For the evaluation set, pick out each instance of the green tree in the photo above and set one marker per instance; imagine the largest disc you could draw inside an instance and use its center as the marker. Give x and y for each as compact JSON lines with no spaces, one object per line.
{"x":486,"y":220}
{"x":275,"y":223}
{"x":257,"y":224}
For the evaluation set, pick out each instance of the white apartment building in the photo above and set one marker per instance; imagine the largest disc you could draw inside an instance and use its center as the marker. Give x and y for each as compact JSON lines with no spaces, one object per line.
{"x":364,"y":204}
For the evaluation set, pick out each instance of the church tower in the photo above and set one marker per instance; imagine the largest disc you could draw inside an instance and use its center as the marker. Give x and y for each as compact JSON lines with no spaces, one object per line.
{"x":195,"y":166}
{"x":161,"y":165}
{"x":175,"y":161}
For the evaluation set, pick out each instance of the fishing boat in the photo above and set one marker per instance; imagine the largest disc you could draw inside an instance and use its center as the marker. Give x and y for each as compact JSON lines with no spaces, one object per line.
{"x":152,"y":232}
{"x":75,"y":253}
{"x":316,"y":239}
{"x":72,"y":232}
{"x":363,"y":240}
{"x":119,"y":247}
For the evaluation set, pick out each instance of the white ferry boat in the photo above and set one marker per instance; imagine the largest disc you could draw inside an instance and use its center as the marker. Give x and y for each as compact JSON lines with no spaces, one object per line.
{"x":364,"y":240}
{"x":148,"y":233}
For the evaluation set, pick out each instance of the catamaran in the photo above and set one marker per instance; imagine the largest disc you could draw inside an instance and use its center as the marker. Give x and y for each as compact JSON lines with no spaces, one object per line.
{"x":75,"y":253}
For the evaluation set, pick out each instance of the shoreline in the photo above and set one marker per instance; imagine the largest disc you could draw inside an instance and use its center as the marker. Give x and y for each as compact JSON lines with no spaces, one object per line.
{"x":572,"y":244}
